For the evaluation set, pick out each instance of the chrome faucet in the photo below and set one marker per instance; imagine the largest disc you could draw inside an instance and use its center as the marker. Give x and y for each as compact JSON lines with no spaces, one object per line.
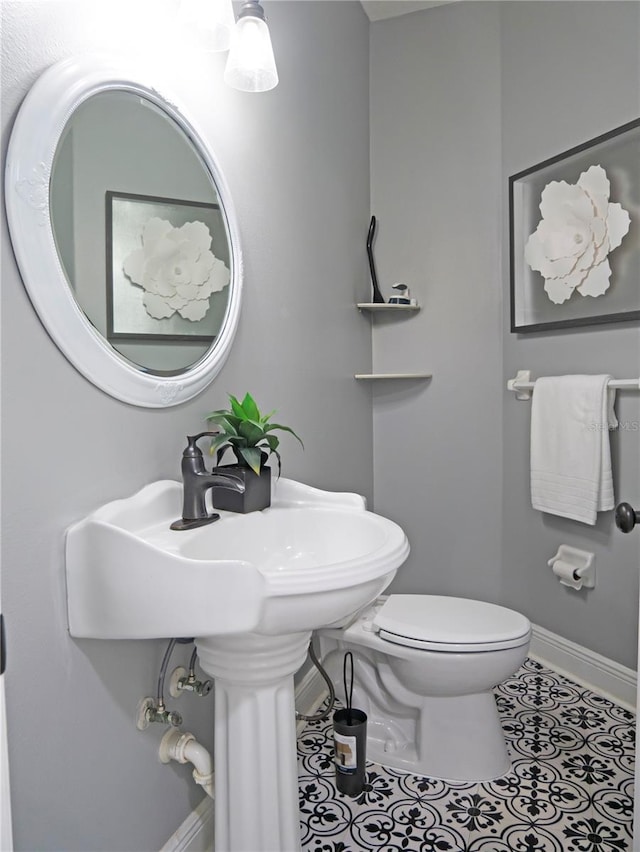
{"x":196,"y":482}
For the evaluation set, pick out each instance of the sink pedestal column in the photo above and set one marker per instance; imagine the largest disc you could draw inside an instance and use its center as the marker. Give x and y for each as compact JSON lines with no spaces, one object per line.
{"x":256,"y":772}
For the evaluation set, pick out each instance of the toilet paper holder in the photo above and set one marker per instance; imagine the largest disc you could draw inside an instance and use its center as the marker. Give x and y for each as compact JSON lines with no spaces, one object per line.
{"x":573,"y":567}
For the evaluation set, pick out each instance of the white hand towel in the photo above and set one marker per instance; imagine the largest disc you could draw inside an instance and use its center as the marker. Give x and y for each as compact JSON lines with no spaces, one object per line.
{"x":570,"y":451}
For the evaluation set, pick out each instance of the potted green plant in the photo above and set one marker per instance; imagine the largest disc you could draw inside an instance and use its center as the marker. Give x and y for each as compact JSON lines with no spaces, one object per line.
{"x":248,"y":433}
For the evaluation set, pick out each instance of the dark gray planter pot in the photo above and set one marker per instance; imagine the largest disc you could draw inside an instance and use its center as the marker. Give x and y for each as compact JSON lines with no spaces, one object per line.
{"x":257,"y":493}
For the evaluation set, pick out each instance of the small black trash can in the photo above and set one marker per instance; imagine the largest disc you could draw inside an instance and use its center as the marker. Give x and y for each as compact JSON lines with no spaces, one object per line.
{"x":350,"y":750}
{"x":350,"y":739}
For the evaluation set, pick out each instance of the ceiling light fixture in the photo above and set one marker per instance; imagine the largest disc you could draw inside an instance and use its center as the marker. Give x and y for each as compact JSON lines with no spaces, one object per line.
{"x":251,"y":65}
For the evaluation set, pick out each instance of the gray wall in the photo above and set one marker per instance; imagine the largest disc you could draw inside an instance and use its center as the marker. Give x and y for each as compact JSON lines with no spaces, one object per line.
{"x":553,"y":100}
{"x":296,"y":161}
{"x":457,"y":99}
{"x":461,"y":97}
{"x":435,"y":165}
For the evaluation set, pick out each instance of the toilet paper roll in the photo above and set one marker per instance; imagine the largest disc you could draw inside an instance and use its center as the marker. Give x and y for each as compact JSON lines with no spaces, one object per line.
{"x":564,"y":571}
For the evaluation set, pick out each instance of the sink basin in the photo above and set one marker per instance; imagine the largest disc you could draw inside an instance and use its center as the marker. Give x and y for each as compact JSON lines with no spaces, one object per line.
{"x":310,"y":560}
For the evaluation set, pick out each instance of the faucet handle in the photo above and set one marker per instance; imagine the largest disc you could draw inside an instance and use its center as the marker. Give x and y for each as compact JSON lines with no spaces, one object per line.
{"x":192,"y":449}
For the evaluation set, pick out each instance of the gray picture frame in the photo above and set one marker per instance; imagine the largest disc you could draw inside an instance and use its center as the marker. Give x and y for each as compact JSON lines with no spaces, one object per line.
{"x":531,"y":310}
{"x":127,"y":319}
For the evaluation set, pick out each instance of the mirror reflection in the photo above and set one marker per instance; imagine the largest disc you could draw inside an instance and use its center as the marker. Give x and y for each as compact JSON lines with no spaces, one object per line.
{"x":140,"y":232}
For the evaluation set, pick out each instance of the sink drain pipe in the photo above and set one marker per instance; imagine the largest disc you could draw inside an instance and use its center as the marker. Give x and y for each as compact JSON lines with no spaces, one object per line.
{"x":184,"y":748}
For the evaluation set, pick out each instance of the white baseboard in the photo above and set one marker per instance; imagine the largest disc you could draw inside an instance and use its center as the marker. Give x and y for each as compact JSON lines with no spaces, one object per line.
{"x":196,"y":832}
{"x":600,"y":674}
{"x":310,"y":693}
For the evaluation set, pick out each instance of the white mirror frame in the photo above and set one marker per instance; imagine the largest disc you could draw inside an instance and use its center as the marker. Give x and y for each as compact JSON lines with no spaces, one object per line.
{"x":41,"y":120}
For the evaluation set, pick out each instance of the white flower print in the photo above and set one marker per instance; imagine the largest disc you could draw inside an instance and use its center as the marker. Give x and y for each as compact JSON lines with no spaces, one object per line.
{"x":176,"y":269}
{"x":578,"y":230}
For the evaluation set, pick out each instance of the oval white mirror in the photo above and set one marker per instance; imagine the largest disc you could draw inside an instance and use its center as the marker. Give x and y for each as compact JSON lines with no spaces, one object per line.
{"x":124,"y":232}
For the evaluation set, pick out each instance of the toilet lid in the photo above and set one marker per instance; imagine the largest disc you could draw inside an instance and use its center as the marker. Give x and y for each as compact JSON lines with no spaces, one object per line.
{"x":441,"y":623}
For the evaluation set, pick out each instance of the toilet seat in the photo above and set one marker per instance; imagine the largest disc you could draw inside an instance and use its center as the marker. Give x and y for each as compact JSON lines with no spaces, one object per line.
{"x":438,"y":623}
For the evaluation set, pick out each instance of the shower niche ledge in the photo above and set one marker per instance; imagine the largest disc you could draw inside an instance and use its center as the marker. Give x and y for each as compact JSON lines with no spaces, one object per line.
{"x":389,"y":309}
{"x":385,"y":307}
{"x":368,"y":377}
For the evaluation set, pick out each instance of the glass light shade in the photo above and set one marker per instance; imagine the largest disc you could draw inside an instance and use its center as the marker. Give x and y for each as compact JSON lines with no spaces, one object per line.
{"x":251,"y":66}
{"x":213,"y":17}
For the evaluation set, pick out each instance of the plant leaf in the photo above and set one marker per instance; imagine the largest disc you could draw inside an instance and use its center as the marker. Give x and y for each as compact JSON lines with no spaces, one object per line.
{"x":237,"y":408}
{"x":250,"y":408}
{"x":236,"y":441}
{"x":277,"y":455}
{"x":252,"y":456}
{"x":252,"y":432}
{"x":221,"y":453}
{"x":219,"y":412}
{"x":264,"y":419}
{"x":272,"y":441}
{"x":273,"y":426}
{"x":225,"y":420}
{"x":217,"y":442}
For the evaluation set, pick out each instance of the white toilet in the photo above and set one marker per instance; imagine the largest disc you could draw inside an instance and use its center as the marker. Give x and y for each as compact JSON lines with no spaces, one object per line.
{"x":424,"y":669}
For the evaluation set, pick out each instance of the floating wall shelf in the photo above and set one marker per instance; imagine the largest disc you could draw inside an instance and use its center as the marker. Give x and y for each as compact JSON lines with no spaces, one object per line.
{"x":384,"y":306}
{"x":375,"y":376}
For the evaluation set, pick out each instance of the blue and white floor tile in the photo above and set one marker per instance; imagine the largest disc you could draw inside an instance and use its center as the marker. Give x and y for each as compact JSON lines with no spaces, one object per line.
{"x":570,"y":788}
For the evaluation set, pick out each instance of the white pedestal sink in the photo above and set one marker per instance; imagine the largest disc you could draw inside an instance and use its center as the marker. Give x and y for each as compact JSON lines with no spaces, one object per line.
{"x":251,"y":589}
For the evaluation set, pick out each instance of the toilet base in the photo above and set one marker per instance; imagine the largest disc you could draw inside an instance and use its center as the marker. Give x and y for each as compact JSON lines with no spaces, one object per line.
{"x":430,"y":711}
{"x":456,"y":739}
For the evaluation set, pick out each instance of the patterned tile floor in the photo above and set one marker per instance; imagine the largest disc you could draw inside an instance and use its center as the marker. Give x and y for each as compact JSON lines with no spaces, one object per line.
{"x":570,"y":788}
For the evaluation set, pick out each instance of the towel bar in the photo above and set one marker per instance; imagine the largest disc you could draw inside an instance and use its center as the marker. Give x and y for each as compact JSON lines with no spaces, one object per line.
{"x":523,"y":386}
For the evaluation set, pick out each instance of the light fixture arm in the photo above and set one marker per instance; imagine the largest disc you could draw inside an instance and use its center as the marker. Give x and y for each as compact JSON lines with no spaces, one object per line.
{"x":251,"y":9}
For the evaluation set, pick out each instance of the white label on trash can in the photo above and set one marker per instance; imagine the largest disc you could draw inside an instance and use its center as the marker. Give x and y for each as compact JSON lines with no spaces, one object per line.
{"x":345,"y":755}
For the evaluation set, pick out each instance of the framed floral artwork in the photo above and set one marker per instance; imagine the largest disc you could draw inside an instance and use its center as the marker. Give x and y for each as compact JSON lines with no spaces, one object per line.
{"x":167,"y":269}
{"x":575,"y":236}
